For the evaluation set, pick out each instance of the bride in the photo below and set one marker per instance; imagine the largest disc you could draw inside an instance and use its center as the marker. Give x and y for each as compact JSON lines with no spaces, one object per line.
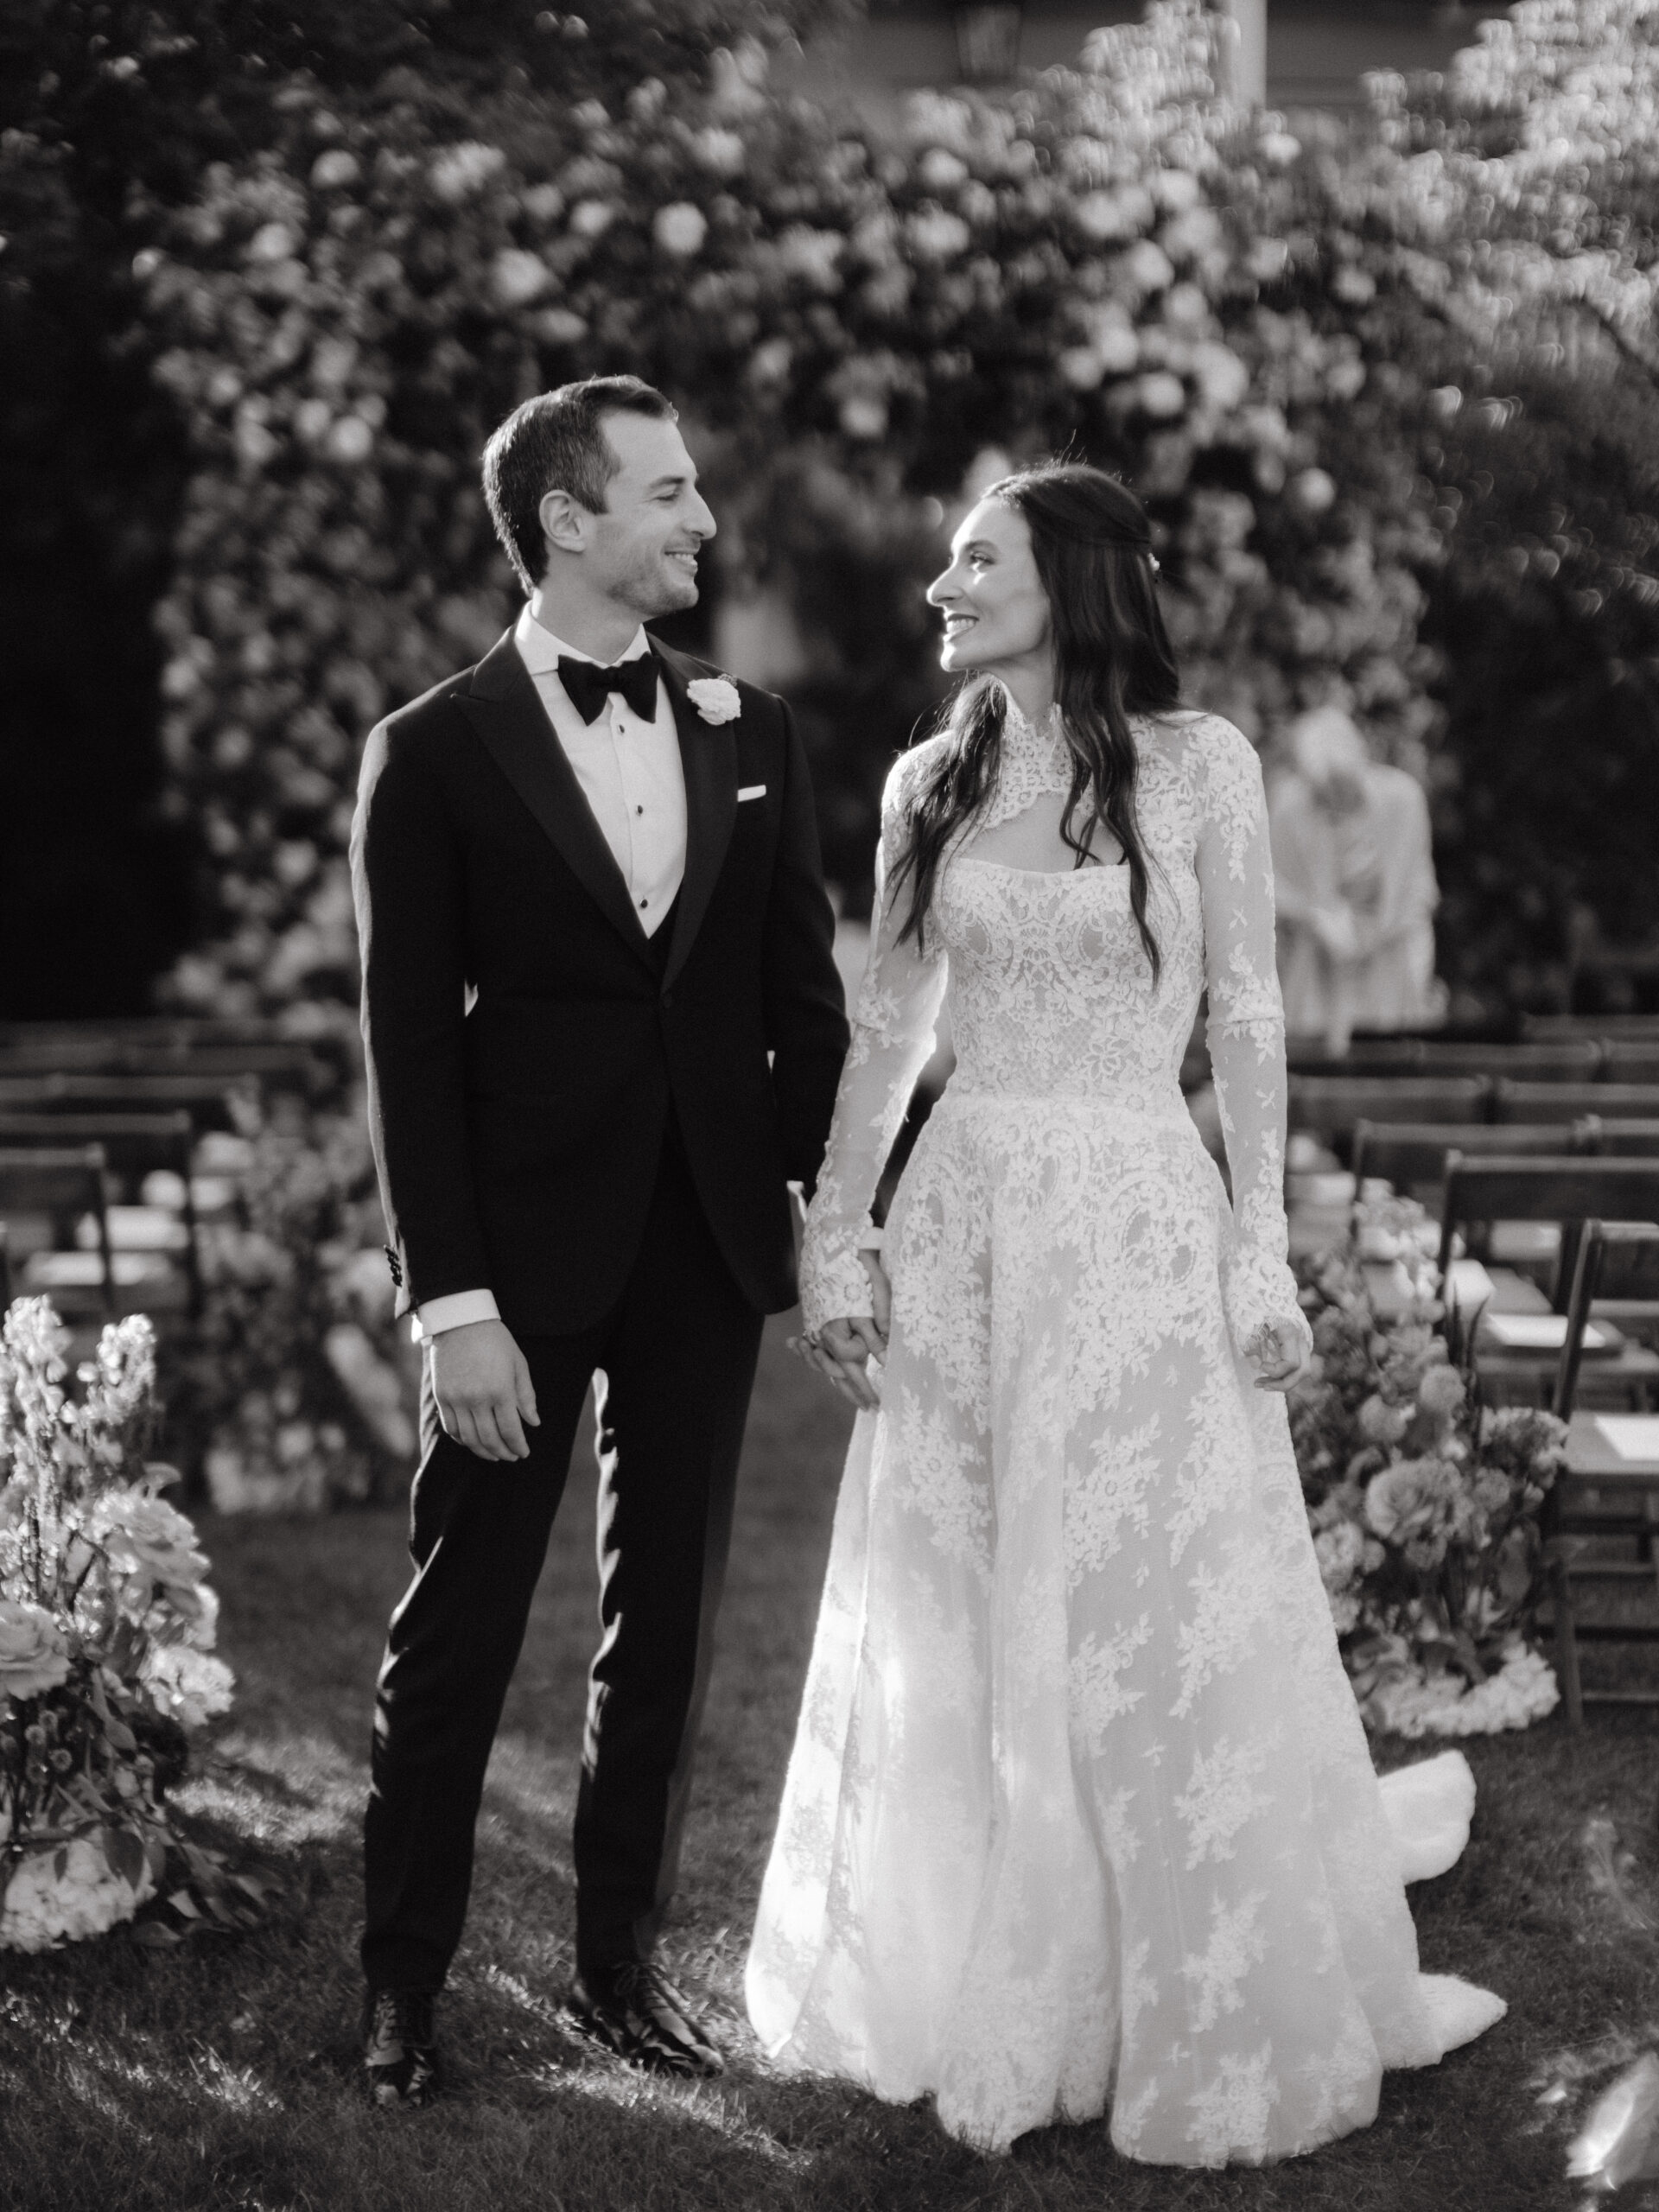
{"x":1080,"y":1814}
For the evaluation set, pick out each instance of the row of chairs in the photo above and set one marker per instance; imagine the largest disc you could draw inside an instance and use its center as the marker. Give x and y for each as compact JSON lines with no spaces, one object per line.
{"x":1331,"y":1107}
{"x":1560,"y":1059}
{"x":68,"y":1170}
{"x":1598,"y":1187}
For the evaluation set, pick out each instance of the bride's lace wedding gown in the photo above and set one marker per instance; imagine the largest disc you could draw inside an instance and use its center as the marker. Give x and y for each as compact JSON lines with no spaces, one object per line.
{"x":1080,"y":1814}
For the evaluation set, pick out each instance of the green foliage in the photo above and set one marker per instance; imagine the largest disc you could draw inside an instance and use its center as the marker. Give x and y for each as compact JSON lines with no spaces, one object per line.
{"x":853,"y":328}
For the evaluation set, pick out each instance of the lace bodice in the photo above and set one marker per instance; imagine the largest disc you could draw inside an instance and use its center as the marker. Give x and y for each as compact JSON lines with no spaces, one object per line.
{"x":1051,"y":996}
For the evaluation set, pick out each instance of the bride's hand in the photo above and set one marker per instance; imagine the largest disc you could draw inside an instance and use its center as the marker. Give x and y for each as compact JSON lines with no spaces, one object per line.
{"x":841,"y":1352}
{"x":1279,"y":1353}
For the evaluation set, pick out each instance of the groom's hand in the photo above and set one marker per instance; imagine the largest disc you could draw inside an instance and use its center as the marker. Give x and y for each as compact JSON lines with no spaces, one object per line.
{"x":483,"y":1389}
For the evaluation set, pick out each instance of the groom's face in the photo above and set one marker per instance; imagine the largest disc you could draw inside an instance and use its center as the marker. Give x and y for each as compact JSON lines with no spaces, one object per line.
{"x":644,"y":545}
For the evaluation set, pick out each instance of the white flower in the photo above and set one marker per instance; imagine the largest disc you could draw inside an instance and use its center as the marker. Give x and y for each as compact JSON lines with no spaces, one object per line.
{"x":1161,"y":394}
{"x":941,"y":170}
{"x":680,"y":228}
{"x":1312,"y":490}
{"x":715,"y":698}
{"x":936,"y":234}
{"x":460,"y":171}
{"x":187,"y":1686}
{"x":722,"y":151}
{"x":273,"y":242}
{"x":517,"y":275}
{"x":351,"y":440}
{"x":32,"y":1654}
{"x":42,"y":1907}
{"x":335,"y":169}
{"x":591,"y":219}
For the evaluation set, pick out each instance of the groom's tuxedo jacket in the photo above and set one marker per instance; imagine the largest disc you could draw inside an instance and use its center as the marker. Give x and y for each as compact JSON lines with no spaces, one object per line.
{"x":526,"y":1042}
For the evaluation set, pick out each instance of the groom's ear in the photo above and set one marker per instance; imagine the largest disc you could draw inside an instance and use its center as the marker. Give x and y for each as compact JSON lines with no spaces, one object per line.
{"x":566,"y":523}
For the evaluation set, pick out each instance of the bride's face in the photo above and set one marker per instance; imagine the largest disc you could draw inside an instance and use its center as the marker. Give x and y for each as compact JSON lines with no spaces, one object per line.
{"x":996,"y":610}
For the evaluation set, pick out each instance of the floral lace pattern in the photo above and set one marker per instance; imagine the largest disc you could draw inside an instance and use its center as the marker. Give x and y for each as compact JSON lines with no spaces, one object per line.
{"x":1080,"y":1810}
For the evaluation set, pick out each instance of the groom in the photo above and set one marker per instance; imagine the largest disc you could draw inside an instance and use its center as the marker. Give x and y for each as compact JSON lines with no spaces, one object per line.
{"x":603,"y":1029}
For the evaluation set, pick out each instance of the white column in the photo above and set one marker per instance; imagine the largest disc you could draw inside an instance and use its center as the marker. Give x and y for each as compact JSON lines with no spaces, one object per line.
{"x":1244,"y":53}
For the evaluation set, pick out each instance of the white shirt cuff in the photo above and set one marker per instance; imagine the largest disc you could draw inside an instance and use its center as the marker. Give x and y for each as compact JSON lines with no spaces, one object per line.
{"x":873,"y":1240}
{"x":453,"y":1312}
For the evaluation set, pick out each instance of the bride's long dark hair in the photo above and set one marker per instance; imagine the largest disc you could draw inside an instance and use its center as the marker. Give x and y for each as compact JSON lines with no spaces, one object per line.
{"x":1112,"y":659}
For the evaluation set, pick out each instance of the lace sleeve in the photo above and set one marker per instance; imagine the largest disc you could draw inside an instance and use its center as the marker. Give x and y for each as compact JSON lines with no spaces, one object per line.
{"x":1246,"y":1028}
{"x":892,"y":1036}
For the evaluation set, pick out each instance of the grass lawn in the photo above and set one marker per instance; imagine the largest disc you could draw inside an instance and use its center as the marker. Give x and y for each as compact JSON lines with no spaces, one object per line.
{"x":224,"y":2074}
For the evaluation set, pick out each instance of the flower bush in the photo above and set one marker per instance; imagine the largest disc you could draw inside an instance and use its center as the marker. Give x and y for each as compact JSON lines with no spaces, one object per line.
{"x":855,"y":329}
{"x":106,"y":1633}
{"x":1424,"y":1503}
{"x":293,"y":1391}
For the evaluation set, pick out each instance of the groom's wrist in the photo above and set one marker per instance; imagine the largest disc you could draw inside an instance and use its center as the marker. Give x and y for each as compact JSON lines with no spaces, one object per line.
{"x":457,"y":1311}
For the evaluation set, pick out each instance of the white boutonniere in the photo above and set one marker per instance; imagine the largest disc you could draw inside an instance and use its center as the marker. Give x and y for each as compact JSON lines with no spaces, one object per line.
{"x":715,"y":698}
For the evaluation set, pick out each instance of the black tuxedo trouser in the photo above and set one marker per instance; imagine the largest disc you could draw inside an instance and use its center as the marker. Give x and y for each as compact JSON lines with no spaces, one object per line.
{"x":673,"y":1364}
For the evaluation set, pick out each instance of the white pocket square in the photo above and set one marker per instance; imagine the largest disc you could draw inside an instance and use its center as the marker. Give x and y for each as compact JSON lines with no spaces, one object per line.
{"x":751,"y":791}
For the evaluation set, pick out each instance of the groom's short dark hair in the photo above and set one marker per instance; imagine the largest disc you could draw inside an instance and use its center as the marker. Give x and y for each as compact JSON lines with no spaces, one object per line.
{"x":555,"y":443}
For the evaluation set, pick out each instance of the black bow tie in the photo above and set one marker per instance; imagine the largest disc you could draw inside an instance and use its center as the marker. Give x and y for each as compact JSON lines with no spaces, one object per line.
{"x":588,"y":685}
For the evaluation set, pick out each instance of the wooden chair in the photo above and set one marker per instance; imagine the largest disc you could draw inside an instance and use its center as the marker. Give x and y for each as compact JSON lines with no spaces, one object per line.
{"x":1568,"y":1060}
{"x":99,"y":1056}
{"x":1568,"y":1190}
{"x":1385,"y":1056}
{"x":1568,"y":1101}
{"x":66,"y":1182}
{"x":1331,"y":1107}
{"x":1600,"y":1493}
{"x":1412,"y":1154}
{"x":134,"y":1144}
{"x":202,"y":1096}
{"x":1612,"y":1139}
{"x":1629,"y":1060}
{"x":1544,"y":1027}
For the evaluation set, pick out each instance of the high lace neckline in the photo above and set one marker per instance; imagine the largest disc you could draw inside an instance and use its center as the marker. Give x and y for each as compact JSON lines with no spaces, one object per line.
{"x":1035,"y":761}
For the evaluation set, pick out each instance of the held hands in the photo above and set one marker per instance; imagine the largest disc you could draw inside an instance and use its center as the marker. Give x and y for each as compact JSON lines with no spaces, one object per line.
{"x":1279,"y":1353}
{"x":843,"y":1348}
{"x":483,"y":1389}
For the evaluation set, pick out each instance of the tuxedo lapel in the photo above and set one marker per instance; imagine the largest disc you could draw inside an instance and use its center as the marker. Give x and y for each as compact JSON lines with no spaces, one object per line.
{"x":503,"y":707}
{"x":709,"y":758}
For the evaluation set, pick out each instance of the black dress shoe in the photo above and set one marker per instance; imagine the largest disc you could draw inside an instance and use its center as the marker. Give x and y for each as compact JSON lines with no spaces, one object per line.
{"x":634,"y":2010}
{"x":399,"y":2048}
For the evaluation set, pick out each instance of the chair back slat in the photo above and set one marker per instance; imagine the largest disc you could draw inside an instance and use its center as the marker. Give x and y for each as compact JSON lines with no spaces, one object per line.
{"x":1637,"y":1139}
{"x":1404,"y":1153}
{"x":1569,"y":1060}
{"x":1552,"y":1188}
{"x":1545,"y":1028}
{"x":132,"y":1142}
{"x":203,"y":1097}
{"x":1569,"y":1102}
{"x":1630,"y":1059}
{"x":1330,"y":1106}
{"x":85,"y":1055}
{"x":51,"y":1180}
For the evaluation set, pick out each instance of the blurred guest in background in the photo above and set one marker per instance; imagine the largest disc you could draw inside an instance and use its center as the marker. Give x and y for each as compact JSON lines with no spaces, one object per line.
{"x":1354,"y":875}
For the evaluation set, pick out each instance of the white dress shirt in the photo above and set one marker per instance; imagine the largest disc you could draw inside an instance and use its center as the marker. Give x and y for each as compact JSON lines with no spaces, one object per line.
{"x":630,"y":773}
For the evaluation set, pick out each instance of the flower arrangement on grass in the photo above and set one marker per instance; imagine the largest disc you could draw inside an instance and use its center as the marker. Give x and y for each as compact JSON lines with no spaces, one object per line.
{"x":1424,"y":1503}
{"x":293,"y":1392}
{"x":106,"y":1632}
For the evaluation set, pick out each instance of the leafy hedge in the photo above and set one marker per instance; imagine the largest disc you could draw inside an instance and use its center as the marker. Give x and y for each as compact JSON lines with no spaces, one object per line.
{"x":847,"y":325}
{"x":1388,"y":391}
